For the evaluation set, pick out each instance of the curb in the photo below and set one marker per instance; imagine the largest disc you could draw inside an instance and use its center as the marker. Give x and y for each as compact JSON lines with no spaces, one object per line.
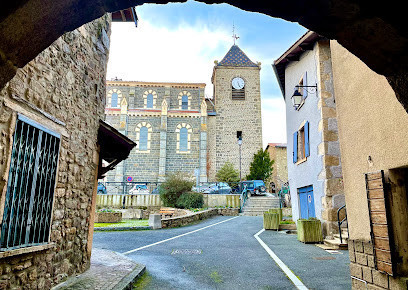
{"x":127,"y":281}
{"x":122,"y":228}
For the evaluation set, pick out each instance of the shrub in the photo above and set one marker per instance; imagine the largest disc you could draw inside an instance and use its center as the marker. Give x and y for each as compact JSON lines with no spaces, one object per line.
{"x":174,"y":186}
{"x":190,"y":200}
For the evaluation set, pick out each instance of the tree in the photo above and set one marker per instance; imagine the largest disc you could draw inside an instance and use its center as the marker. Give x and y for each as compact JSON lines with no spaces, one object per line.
{"x":227,"y":173}
{"x":261,"y":166}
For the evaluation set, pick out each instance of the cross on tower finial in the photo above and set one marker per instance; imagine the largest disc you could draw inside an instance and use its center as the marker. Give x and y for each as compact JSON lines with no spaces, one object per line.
{"x":234,"y":36}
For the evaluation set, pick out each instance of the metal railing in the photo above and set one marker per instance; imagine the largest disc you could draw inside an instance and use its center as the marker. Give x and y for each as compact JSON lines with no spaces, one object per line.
{"x":128,"y":187}
{"x":343,"y":220}
{"x":244,"y":196}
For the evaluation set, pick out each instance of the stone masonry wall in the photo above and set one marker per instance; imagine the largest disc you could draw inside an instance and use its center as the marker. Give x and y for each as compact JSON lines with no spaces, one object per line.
{"x":236,"y":115}
{"x":362,"y":267}
{"x":63,"y":89}
{"x":280,"y":166}
{"x":329,"y":148}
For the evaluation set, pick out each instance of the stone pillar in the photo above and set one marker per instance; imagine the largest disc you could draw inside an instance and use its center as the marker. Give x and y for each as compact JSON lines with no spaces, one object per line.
{"x":203,"y":143}
{"x":163,"y":142}
{"x":329,"y":149}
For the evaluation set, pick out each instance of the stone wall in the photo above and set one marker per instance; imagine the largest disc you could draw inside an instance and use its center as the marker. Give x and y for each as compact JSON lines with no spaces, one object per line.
{"x":63,"y":89}
{"x":362,"y":267}
{"x":280,"y":166}
{"x":162,"y":156}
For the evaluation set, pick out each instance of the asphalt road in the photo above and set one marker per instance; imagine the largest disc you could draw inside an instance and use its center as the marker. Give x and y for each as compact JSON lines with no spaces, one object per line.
{"x":226,"y":256}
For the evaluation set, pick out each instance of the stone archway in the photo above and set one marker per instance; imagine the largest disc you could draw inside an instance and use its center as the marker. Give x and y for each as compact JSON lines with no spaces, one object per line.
{"x":372,"y":31}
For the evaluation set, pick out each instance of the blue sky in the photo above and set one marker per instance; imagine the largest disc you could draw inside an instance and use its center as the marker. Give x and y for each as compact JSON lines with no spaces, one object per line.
{"x":179,"y":42}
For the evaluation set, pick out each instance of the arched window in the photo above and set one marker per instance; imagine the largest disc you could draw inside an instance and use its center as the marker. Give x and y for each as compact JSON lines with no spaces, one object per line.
{"x":183,"y":139}
{"x":114,"y":102}
{"x":149,"y":99}
{"x":184,"y":98}
{"x":143,"y":139}
{"x":184,"y":102}
{"x":184,"y":132}
{"x":149,"y":104}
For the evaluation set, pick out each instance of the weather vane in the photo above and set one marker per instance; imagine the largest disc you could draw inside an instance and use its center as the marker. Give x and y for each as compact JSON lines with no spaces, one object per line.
{"x":234,"y":36}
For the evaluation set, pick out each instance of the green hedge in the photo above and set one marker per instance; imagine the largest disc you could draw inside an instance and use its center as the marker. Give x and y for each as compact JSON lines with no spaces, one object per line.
{"x":190,"y":200}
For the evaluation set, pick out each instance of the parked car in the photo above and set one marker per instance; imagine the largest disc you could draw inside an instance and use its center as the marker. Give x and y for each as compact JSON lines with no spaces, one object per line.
{"x":139,"y":189}
{"x":203,"y":188}
{"x":220,"y":188}
{"x":102,"y":188}
{"x":255,"y":187}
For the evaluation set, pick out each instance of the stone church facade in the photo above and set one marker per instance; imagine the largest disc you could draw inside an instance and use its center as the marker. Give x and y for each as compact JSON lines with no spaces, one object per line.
{"x":178,"y":130}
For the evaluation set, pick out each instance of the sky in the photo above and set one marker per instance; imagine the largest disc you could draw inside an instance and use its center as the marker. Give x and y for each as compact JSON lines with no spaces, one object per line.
{"x":179,"y":42}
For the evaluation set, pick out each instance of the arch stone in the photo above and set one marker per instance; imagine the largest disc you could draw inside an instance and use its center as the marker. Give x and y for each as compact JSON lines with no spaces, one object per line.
{"x":373,"y":31}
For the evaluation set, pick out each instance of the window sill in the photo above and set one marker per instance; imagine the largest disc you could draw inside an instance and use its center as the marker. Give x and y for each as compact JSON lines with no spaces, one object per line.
{"x":301,"y":161}
{"x":27,"y":250}
{"x":183,"y":152}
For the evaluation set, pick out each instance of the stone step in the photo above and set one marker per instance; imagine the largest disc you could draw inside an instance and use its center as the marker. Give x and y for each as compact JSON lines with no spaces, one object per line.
{"x":335,"y":244}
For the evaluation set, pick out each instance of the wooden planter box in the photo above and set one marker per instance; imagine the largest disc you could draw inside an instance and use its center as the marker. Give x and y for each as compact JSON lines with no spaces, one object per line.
{"x":108,"y":217}
{"x":278,"y":211}
{"x":271,"y":221}
{"x":309,"y":231}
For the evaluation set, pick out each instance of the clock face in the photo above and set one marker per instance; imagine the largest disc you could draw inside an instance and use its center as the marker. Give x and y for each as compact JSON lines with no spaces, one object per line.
{"x":238,"y":83}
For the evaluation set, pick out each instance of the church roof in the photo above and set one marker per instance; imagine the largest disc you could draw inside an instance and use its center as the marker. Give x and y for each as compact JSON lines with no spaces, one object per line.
{"x":236,"y":57}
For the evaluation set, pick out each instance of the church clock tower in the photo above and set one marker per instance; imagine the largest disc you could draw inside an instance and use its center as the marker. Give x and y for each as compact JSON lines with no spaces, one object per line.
{"x":237,"y":104}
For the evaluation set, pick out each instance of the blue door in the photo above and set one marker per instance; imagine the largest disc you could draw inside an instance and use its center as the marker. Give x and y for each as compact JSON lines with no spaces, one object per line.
{"x":306,"y":202}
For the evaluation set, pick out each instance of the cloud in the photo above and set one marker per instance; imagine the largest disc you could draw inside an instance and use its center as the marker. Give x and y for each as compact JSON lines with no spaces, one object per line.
{"x":150,"y":53}
{"x":273,"y":120}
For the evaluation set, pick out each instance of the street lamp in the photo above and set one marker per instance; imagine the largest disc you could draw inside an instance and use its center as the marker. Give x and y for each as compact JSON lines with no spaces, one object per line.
{"x":297,"y":97}
{"x":239,"y":144}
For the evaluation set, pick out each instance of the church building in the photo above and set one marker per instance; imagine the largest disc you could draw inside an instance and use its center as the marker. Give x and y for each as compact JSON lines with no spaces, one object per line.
{"x":178,"y":130}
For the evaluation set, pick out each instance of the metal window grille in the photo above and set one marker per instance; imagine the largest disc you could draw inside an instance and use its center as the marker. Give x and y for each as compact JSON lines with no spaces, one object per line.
{"x":30,"y":187}
{"x":184,"y":102}
{"x":149,"y":101}
{"x":144,"y":138}
{"x":183,"y":139}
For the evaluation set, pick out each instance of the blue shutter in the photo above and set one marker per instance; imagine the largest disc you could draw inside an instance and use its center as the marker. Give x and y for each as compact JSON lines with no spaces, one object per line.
{"x":305,"y":84}
{"x":149,"y":101}
{"x":143,"y":139}
{"x":295,"y":139}
{"x":183,"y":139}
{"x":307,"y":144}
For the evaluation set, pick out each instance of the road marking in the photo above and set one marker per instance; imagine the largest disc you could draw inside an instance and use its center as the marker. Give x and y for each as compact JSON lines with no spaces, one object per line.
{"x":295,"y":280}
{"x":176,"y":237}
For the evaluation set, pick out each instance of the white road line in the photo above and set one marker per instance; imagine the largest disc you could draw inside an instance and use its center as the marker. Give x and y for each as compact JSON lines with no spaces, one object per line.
{"x":176,"y":237}
{"x":295,"y":280}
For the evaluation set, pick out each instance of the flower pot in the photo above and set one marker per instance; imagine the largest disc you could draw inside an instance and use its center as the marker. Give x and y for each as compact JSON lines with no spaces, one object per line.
{"x":271,"y":221}
{"x":309,"y":231}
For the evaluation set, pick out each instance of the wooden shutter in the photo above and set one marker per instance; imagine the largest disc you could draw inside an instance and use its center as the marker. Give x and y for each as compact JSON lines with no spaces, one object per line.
{"x":307,"y":146}
{"x":295,"y":140}
{"x":380,"y":232}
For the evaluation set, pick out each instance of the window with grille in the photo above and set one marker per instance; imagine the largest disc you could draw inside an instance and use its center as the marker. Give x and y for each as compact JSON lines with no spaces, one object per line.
{"x":30,"y":186}
{"x":184,"y":102}
{"x":183,"y":139}
{"x":149,"y":100}
{"x":143,"y":139}
{"x":114,"y":101}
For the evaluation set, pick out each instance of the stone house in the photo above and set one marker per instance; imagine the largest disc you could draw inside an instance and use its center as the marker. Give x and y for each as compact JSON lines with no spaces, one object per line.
{"x":277,"y":153}
{"x":178,"y":130}
{"x":52,"y":143}
{"x":373,"y":134}
{"x":313,"y":153}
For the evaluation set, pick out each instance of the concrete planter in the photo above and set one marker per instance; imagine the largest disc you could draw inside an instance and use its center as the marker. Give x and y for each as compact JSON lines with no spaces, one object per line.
{"x":271,"y":221}
{"x":278,"y":211}
{"x":108,"y":217}
{"x":309,"y":231}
